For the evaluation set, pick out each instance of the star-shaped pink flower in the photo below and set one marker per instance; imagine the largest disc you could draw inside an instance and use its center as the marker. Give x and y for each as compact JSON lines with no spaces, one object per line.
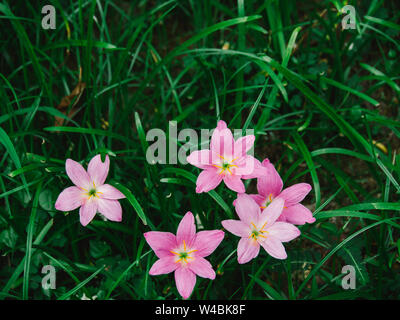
{"x":226,"y":160}
{"x":90,"y":193}
{"x":269,"y":187}
{"x":184,"y":253}
{"x":256,"y":228}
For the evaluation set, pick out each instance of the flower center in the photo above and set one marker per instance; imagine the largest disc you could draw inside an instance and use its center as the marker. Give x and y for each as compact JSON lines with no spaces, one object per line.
{"x":255,"y":233}
{"x":225,"y":165}
{"x":183,"y":254}
{"x":92,"y":192}
{"x":267,"y":202}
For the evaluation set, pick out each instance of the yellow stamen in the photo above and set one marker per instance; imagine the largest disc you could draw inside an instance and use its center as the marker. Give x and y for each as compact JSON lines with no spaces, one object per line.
{"x":258,"y":232}
{"x":262,"y":228}
{"x":183,"y":255}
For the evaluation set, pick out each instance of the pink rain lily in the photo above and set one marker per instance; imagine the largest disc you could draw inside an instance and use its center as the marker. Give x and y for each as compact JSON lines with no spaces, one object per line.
{"x":269,"y":187}
{"x":90,"y":193}
{"x":226,"y":160}
{"x":184,"y":253}
{"x":260,"y":228}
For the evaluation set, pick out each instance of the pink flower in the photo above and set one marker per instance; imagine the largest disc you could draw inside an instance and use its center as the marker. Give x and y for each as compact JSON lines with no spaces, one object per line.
{"x":184,"y":253}
{"x":90,"y":193}
{"x":260,"y":228}
{"x":226,"y":160}
{"x":269,"y":187}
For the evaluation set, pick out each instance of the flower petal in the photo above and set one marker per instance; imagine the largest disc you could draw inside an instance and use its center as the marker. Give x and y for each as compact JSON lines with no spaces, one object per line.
{"x":283,"y":231}
{"x":221,"y":125}
{"x":70,"y":199}
{"x":98,"y":170}
{"x":161,"y":242}
{"x":87,"y":212}
{"x":237,"y":227}
{"x":252,"y":168}
{"x":107,"y":191}
{"x":243,"y":145}
{"x":207,"y":241}
{"x":247,"y":209}
{"x":271,"y":213}
{"x":297,"y":214}
{"x":163,"y":266}
{"x":202,"y":268}
{"x":257,"y":198}
{"x":186,"y":230}
{"x":111,"y":209}
{"x":201,"y":158}
{"x":271,"y":183}
{"x":234,"y":183}
{"x":207,"y":180}
{"x":247,"y":250}
{"x":185,"y":280}
{"x":274,"y":247}
{"x":222,"y":142}
{"x":77,"y":174}
{"x":295,"y":193}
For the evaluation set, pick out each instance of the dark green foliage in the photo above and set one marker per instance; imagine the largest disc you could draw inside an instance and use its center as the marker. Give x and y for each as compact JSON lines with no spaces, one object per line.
{"x":324,"y":103}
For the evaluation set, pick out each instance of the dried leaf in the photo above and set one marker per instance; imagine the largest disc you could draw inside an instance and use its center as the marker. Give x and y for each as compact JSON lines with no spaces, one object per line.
{"x":66,"y":102}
